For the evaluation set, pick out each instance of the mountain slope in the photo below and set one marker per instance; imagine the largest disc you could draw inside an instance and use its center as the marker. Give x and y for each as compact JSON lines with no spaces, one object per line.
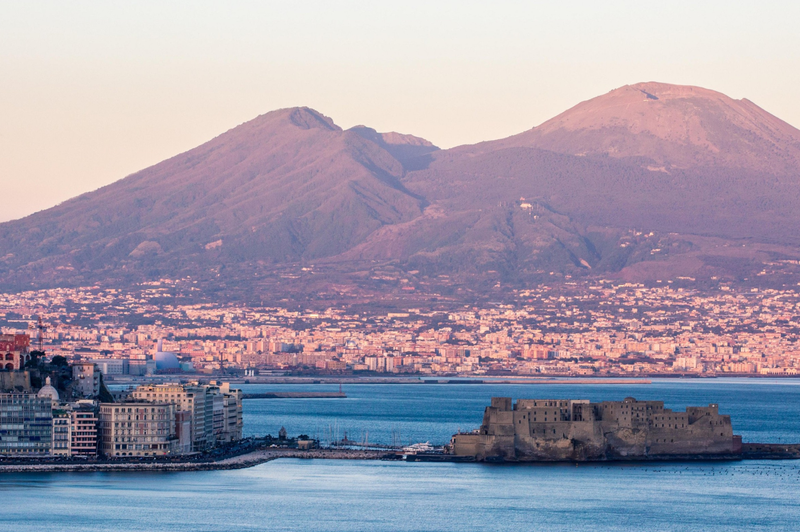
{"x":649,"y":179}
{"x":671,"y":126}
{"x":287,"y":186}
{"x":411,"y":151}
{"x":648,"y":156}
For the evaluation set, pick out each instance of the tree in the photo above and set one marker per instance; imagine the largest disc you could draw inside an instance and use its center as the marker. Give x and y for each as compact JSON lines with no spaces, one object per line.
{"x":58,"y":360}
{"x":35,"y":359}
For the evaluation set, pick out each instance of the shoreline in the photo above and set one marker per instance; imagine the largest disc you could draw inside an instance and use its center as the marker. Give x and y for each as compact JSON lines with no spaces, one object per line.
{"x":262,"y":456}
{"x":241,"y":461}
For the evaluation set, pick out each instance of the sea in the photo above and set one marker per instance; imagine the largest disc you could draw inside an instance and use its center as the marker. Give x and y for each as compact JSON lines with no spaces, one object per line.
{"x":375,"y":496}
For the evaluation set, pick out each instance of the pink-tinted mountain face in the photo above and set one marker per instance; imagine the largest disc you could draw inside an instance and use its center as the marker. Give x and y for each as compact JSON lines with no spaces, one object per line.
{"x":287,"y":186}
{"x":674,"y":127}
{"x":649,"y":173}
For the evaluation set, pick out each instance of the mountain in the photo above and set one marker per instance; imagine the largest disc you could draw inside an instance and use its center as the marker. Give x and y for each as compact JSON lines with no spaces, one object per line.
{"x":409,"y":150}
{"x":671,"y":126}
{"x":287,"y":186}
{"x":647,"y":157}
{"x":649,"y":180}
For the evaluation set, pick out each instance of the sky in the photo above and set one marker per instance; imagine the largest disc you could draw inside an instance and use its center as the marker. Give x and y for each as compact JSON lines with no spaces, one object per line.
{"x":92,"y":91}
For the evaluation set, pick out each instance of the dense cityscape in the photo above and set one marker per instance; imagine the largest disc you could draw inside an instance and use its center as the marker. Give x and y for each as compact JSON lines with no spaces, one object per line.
{"x":601,"y":328}
{"x":72,"y":414}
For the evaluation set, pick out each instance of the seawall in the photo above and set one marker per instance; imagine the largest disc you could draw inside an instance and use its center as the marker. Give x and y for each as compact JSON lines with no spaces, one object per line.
{"x":295,"y":395}
{"x":250,"y":459}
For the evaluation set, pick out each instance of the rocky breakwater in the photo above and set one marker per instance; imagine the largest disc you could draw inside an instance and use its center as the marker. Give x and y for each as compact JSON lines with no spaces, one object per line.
{"x":241,"y":461}
{"x":771,"y":451}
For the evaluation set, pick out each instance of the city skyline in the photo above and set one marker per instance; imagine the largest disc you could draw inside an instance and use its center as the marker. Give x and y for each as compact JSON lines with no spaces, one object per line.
{"x":598,"y":329}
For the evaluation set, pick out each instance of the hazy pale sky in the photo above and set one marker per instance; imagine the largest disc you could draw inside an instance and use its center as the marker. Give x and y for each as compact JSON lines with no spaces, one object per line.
{"x":91,"y":91}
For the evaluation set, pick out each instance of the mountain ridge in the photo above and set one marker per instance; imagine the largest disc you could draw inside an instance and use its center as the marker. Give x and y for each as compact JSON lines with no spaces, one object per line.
{"x":685,"y":165}
{"x":695,"y":127}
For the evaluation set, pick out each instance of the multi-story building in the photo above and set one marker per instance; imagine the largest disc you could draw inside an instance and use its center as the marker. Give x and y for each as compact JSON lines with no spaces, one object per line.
{"x":183,"y":432}
{"x":74,"y":430}
{"x":232,"y":404}
{"x":112,"y":366}
{"x":137,"y":429}
{"x":86,"y":379}
{"x":203,"y":419}
{"x":14,"y":351}
{"x":26,"y":425}
{"x":83,"y":430}
{"x":190,"y":399}
{"x":61,"y":432}
{"x":215,"y":411}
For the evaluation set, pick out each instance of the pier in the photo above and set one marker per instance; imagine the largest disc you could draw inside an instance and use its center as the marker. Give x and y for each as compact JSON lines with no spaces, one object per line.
{"x":295,"y":395}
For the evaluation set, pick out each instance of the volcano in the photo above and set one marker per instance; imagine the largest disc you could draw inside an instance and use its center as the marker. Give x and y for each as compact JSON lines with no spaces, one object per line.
{"x":649,"y":177}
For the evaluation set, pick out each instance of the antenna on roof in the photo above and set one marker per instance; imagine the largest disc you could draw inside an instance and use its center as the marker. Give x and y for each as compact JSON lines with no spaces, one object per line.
{"x":42,"y":328}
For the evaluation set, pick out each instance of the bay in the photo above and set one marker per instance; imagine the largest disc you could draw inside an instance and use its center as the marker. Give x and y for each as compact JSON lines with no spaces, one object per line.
{"x":761,"y":410}
{"x":334,"y":495}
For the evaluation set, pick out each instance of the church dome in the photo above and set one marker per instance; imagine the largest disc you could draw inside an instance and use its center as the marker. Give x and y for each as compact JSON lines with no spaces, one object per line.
{"x":48,"y":391}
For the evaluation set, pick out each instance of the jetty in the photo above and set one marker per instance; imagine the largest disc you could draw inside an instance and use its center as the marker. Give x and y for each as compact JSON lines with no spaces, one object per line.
{"x":295,"y":395}
{"x":241,"y":461}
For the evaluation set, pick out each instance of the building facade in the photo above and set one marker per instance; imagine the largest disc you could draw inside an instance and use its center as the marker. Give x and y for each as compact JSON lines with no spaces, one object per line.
{"x":214,"y":411}
{"x":86,"y":379}
{"x":137,"y":429}
{"x":14,"y":351}
{"x":74,"y":430}
{"x":61,"y":436}
{"x":191,"y":399}
{"x":112,"y":366}
{"x":551,"y":429}
{"x":26,"y":425}
{"x":83,"y":430}
{"x":232,"y":421}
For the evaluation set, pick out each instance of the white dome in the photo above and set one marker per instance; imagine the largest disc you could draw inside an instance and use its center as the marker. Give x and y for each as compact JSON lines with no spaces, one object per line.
{"x":48,"y":391}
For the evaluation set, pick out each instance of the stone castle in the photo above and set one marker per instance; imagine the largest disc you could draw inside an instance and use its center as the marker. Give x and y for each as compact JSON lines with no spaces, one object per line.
{"x":578,"y":430}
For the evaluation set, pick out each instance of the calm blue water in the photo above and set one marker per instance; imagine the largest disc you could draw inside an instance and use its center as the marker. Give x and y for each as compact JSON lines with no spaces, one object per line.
{"x":329,"y":495}
{"x":319,"y":495}
{"x":761,"y":411}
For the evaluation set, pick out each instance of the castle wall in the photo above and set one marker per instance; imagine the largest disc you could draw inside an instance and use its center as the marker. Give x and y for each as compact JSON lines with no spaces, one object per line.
{"x":534,"y":429}
{"x":15,"y":381}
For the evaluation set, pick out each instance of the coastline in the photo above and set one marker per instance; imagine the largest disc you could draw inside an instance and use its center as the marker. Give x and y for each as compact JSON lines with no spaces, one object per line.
{"x":241,"y":461}
{"x":261,"y":456}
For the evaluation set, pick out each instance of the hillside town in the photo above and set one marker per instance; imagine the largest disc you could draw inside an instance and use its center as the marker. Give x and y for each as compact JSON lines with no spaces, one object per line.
{"x":597,"y":328}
